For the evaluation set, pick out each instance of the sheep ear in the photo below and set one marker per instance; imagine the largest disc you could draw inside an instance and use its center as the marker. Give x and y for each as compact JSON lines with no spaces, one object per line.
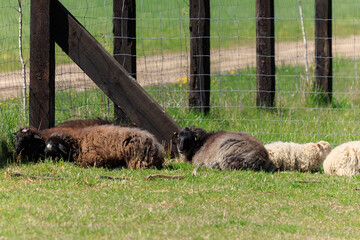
{"x":36,"y":136}
{"x":62,"y":148}
{"x":321,"y":144}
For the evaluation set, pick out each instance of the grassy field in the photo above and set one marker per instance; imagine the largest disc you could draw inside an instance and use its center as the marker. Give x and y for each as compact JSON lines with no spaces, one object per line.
{"x":213,"y":205}
{"x":162,"y":25}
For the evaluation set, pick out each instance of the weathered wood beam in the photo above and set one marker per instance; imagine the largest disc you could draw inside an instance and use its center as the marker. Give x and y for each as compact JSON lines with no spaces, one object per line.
{"x":110,"y":76}
{"x":323,"y":48}
{"x":199,"y":97}
{"x":42,"y":66}
{"x":265,"y":53}
{"x":124,"y":30}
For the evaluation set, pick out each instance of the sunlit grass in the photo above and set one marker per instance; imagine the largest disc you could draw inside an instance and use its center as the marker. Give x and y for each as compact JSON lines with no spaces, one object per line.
{"x":220,"y":204}
{"x":214,"y":204}
{"x":297,"y":115}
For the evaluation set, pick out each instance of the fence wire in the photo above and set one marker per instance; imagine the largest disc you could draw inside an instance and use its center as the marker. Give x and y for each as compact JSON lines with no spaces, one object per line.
{"x":163,"y":62}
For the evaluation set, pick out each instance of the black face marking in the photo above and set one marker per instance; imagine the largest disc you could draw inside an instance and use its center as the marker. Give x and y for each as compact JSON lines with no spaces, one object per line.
{"x":56,"y":148}
{"x":187,"y":140}
{"x":29,"y":144}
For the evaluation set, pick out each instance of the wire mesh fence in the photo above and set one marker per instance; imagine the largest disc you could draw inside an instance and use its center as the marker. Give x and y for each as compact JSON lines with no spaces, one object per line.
{"x":163,"y":62}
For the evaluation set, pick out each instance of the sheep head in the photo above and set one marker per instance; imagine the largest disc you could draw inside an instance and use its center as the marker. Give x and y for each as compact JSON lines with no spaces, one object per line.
{"x":325,"y":149}
{"x":60,"y":145}
{"x":186,"y":142}
{"x":29,"y":143}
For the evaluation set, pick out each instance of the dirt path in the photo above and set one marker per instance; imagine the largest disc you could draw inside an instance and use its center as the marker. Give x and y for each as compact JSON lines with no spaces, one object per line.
{"x":168,"y":68}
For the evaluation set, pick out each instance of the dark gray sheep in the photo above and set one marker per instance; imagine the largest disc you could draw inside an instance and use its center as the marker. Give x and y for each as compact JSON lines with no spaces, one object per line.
{"x":223,"y":150}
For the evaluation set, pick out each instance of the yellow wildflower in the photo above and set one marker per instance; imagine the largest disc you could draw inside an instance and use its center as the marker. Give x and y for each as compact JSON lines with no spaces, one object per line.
{"x":180,"y":85}
{"x":179,"y":79}
{"x":232,"y":72}
{"x":184,"y":80}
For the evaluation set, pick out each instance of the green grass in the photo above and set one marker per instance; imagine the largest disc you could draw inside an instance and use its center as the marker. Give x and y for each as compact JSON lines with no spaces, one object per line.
{"x":215,"y":204}
{"x":162,"y":25}
{"x":297,"y":116}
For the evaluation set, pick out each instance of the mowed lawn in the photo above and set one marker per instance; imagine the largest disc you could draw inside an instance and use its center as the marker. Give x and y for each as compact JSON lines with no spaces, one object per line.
{"x":212,"y":205}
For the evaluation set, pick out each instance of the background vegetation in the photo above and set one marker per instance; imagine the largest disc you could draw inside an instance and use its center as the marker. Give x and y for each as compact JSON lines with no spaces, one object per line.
{"x":162,"y":25}
{"x":215,"y":204}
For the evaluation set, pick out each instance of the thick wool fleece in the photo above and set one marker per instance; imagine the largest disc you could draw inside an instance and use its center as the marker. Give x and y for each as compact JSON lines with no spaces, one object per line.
{"x":30,"y":142}
{"x":294,"y":156}
{"x":227,"y":150}
{"x":114,"y":146}
{"x":344,"y":160}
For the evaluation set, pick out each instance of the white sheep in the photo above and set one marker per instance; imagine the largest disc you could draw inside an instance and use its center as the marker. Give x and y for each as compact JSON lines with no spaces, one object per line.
{"x":294,"y":156}
{"x":344,"y":160}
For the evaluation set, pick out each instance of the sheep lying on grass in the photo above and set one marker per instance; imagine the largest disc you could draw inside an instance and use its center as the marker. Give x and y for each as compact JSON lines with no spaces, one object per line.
{"x":30,"y":142}
{"x":108,"y":146}
{"x":295,"y":156}
{"x":344,"y":160}
{"x":224,"y":150}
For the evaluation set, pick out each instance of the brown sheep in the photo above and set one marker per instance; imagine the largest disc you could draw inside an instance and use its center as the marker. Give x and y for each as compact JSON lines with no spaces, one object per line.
{"x":81,"y":123}
{"x":30,"y":142}
{"x":223,"y":150}
{"x":108,"y":146}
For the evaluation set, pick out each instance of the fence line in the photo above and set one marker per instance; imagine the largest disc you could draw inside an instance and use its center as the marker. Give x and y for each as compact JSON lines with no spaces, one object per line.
{"x":163,"y":57}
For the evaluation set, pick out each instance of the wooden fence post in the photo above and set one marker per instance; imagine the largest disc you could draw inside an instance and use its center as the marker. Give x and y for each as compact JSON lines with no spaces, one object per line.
{"x":124,"y":30}
{"x":265,"y":53}
{"x":323,"y":49}
{"x":199,"y":97}
{"x":42,"y":66}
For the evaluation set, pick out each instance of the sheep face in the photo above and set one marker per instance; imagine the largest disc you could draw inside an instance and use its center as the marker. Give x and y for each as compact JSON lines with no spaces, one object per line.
{"x":56,"y":147}
{"x":325,"y":149}
{"x":29,"y":143}
{"x":186,"y":142}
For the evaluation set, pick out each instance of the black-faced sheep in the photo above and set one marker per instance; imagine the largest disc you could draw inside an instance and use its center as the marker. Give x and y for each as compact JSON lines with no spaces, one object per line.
{"x":294,"y":156}
{"x":108,"y":146}
{"x":223,"y":150}
{"x":344,"y":160}
{"x":30,"y":142}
